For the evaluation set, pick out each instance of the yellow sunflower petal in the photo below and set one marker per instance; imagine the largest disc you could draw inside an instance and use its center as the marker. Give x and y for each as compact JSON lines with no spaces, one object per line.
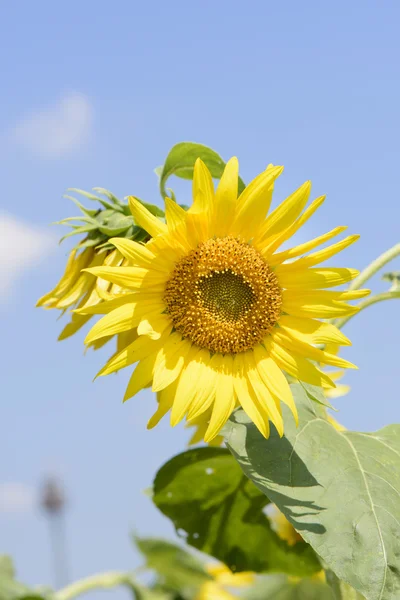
{"x":254,"y":202}
{"x":141,"y":376}
{"x":297,"y":366}
{"x":317,"y":257}
{"x":313,"y":332}
{"x":226,"y":198}
{"x":205,"y":395}
{"x":224,"y":402}
{"x":266,"y":402}
{"x":130,"y":277}
{"x":137,"y":350}
{"x":247,"y":397}
{"x":120,"y":319}
{"x":165,"y":402}
{"x":145,"y":219}
{"x":188,"y":385}
{"x":170,"y":361}
{"x":274,"y":379}
{"x":283,"y":216}
{"x":319,"y":304}
{"x":280,"y":257}
{"x":138,"y":254}
{"x":153,"y":325}
{"x":291,"y":342}
{"x":313,"y":279}
{"x":203,"y":189}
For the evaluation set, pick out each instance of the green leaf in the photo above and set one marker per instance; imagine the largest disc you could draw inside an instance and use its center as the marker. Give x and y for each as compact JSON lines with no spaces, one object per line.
{"x":176,"y":568}
{"x":180,"y":162}
{"x":340,"y":589}
{"x":280,"y":587}
{"x":13,"y":590}
{"x":339,"y":489}
{"x":203,"y":491}
{"x":316,"y":394}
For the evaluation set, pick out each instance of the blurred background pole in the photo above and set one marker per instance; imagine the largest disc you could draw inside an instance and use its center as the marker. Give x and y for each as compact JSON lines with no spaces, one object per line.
{"x":53,"y":503}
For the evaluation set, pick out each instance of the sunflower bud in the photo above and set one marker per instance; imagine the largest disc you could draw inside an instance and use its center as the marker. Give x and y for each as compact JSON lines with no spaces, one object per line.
{"x":78,"y":288}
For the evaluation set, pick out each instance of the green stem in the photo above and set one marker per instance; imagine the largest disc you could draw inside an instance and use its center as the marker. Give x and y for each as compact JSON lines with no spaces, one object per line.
{"x":368,"y":302}
{"x":101,"y":580}
{"x":374,"y":267}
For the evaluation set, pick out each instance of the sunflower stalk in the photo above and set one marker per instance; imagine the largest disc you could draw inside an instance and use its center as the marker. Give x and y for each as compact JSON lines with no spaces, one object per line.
{"x":106,"y":580}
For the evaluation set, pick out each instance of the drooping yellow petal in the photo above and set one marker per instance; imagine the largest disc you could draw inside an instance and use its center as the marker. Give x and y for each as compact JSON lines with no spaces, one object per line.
{"x":291,"y":342}
{"x":145,"y":219}
{"x":266,"y":402}
{"x":224,"y":402}
{"x":189,"y":382}
{"x":313,"y":332}
{"x":279,"y":258}
{"x":296,"y":365}
{"x":226,"y":199}
{"x":107,"y":306}
{"x":208,"y":377}
{"x":123,"y":318}
{"x":141,"y":376}
{"x":313,"y":279}
{"x":170,"y":361}
{"x":130,"y":277}
{"x":72,"y":271}
{"x":254,"y":202}
{"x":138,"y":254}
{"x":137,"y":350}
{"x":247,"y":397}
{"x":274,"y":379}
{"x":284,"y":215}
{"x":165,"y":402}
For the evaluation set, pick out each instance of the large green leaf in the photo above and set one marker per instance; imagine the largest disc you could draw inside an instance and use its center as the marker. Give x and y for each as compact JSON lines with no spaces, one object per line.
{"x":203,"y":491}
{"x":176,"y":568}
{"x":340,"y":490}
{"x":281,"y":587}
{"x":180,"y":162}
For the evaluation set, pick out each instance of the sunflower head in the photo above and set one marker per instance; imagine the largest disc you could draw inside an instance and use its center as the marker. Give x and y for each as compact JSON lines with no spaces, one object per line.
{"x":221,"y":312}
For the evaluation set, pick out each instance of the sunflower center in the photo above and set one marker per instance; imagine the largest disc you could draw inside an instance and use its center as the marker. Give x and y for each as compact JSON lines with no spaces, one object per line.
{"x":223,"y":296}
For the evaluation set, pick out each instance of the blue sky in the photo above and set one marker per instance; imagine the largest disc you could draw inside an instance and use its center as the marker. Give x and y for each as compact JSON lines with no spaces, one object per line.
{"x":95,"y":94}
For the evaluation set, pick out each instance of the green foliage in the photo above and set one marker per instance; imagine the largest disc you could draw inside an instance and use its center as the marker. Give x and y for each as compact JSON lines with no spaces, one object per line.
{"x":281,"y":587}
{"x":114,"y":219}
{"x":176,"y":569}
{"x":340,"y":490}
{"x":181,"y":159}
{"x":203,"y":491}
{"x":10,"y":589}
{"x":340,"y":589}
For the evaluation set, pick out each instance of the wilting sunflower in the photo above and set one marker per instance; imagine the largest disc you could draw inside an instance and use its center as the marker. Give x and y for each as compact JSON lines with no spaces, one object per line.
{"x":77,"y":288}
{"x":220,"y":312}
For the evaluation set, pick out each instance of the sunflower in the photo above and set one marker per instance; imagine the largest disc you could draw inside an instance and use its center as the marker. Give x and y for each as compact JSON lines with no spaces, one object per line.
{"x":78,"y":288}
{"x":221,"y":313}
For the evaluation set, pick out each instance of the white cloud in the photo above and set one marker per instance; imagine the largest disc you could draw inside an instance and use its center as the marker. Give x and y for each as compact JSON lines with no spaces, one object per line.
{"x":16,"y":497}
{"x":58,"y":129}
{"x":21,"y":246}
